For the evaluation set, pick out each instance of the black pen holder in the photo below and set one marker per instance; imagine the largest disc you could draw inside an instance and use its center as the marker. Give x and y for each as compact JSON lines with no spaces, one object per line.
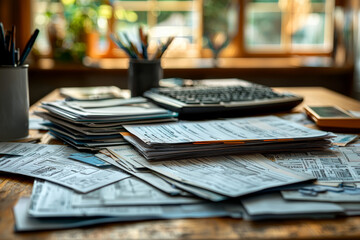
{"x":143,"y":75}
{"x":14,"y":102}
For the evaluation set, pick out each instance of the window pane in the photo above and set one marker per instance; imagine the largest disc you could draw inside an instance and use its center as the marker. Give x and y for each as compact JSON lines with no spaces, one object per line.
{"x":289,"y":26}
{"x":216,"y":16}
{"x":312,"y":32}
{"x":178,"y":24}
{"x":263,"y":28}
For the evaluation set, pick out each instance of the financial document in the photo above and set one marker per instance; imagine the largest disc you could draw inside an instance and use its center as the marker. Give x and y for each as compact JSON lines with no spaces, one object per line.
{"x":24,"y":222}
{"x":50,"y":162}
{"x":188,"y":139}
{"x":272,"y":205}
{"x":340,"y":164}
{"x":244,"y":129}
{"x":130,"y":191}
{"x":146,"y":176}
{"x":232,"y":175}
{"x":346,"y":195}
{"x":35,"y":150}
{"x":50,"y":200}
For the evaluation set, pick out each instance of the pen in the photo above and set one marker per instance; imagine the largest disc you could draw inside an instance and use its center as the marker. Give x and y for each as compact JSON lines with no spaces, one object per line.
{"x":7,"y":48}
{"x":12,"y":47}
{"x":7,"y":41}
{"x":28,"y":46}
{"x":2,"y":44}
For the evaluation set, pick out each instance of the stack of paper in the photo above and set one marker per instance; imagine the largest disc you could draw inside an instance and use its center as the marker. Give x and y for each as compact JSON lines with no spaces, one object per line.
{"x":218,"y":137}
{"x":229,"y":176}
{"x":95,"y":124}
{"x":251,"y":186}
{"x":132,"y":199}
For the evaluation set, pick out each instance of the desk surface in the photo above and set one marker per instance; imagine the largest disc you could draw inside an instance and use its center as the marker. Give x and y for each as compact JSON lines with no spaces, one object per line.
{"x":14,"y":186}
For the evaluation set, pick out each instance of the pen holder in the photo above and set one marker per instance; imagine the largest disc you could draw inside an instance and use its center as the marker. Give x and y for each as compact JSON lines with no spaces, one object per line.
{"x":14,"y":102}
{"x":143,"y":75}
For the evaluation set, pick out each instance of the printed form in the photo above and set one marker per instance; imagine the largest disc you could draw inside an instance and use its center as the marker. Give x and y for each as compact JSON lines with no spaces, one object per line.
{"x":50,"y":162}
{"x":233,"y":175}
{"x":51,"y":200}
{"x":244,"y":129}
{"x":341,"y":164}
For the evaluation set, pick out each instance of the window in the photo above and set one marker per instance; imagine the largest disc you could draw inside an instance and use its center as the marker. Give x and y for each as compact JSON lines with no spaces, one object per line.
{"x":71,"y":29}
{"x":285,"y":26}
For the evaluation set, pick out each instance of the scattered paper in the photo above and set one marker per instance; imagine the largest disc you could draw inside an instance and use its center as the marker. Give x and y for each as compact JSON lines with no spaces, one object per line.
{"x":146,"y":176}
{"x":349,"y":195}
{"x":25,"y":223}
{"x":233,"y":175}
{"x":89,"y":159}
{"x":343,"y":139}
{"x":272,"y":205}
{"x":51,"y":200}
{"x":130,"y":191}
{"x":50,"y":162}
{"x":340,"y":164}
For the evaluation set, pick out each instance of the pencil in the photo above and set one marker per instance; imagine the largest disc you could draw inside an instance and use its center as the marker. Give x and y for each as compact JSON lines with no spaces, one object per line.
{"x":169,"y":41}
{"x":121,"y":45}
{"x":132,"y":46}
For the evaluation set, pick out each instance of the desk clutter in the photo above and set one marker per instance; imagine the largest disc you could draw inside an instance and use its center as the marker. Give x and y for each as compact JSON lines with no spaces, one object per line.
{"x":130,"y":160}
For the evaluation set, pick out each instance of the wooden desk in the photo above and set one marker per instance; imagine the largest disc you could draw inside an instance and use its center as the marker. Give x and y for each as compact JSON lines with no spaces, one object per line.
{"x":14,"y":186}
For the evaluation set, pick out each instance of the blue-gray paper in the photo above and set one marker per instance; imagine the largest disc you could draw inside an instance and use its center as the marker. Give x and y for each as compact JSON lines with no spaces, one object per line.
{"x":89,"y":159}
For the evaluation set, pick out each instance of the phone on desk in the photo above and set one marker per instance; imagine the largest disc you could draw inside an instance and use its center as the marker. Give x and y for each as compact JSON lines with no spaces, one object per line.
{"x":332,"y":117}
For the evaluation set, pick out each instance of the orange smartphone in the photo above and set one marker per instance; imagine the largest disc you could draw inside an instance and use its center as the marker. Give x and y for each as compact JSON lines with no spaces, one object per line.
{"x":332,"y":117}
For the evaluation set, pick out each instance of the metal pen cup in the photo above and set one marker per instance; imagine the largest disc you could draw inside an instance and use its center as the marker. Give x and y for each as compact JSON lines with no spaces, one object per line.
{"x":143,"y":75}
{"x":14,"y":102}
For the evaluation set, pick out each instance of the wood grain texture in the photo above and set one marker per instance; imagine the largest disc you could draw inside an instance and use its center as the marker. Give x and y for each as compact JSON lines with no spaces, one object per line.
{"x":14,"y":186}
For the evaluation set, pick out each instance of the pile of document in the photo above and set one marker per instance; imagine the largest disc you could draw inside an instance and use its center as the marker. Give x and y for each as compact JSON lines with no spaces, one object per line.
{"x":95,"y":124}
{"x":219,"y":137}
{"x":118,"y":183}
{"x":71,"y":191}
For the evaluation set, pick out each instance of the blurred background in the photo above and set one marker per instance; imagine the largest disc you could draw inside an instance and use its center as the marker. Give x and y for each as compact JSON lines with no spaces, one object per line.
{"x":272,"y":42}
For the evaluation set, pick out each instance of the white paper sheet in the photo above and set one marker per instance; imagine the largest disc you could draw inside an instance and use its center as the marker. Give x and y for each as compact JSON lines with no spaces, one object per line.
{"x":242,"y":129}
{"x":25,"y":223}
{"x":327,"y":196}
{"x":51,"y":162}
{"x":231,"y":176}
{"x":35,"y":150}
{"x":340,"y":164}
{"x":126,"y":155}
{"x":51,"y":200}
{"x":146,"y":176}
{"x":274,"y":204}
{"x":130,"y":191}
